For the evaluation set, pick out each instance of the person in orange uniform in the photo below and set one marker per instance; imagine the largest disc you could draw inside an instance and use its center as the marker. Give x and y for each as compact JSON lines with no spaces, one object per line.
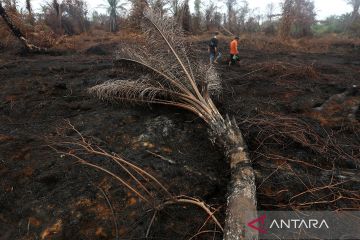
{"x":234,"y":52}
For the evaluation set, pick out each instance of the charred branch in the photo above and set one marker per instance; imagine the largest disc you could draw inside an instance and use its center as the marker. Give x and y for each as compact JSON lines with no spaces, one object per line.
{"x":17,"y":32}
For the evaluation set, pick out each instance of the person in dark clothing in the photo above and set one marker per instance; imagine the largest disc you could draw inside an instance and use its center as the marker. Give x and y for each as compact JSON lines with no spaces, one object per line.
{"x":214,"y":50}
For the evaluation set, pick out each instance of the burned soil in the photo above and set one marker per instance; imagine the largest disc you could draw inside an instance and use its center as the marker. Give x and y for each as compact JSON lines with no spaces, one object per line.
{"x":299,"y":112}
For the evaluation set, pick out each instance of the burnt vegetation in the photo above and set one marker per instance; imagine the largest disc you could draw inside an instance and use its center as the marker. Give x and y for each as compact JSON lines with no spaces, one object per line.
{"x":113,"y":125}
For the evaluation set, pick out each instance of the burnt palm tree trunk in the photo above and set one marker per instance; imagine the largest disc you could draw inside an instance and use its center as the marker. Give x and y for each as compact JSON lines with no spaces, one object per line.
{"x":14,"y":29}
{"x":17,"y":32}
{"x":241,"y":200}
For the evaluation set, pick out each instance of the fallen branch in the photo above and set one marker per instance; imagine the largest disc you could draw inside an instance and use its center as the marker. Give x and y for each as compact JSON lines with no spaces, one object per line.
{"x":112,"y":213}
{"x":227,"y":30}
{"x":319,"y":186}
{"x":155,"y":195}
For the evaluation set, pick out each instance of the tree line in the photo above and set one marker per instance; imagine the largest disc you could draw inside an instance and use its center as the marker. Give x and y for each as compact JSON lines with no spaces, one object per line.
{"x":292,"y":18}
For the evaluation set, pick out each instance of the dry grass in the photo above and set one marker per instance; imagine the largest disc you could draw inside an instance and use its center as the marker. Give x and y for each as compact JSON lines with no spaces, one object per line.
{"x":314,"y":179}
{"x":324,"y":44}
{"x":84,"y":41}
{"x":274,"y":129}
{"x":318,"y":188}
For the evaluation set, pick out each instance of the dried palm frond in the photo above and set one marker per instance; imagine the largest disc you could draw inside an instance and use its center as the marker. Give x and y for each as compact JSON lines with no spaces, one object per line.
{"x":136,"y":90}
{"x":176,"y":79}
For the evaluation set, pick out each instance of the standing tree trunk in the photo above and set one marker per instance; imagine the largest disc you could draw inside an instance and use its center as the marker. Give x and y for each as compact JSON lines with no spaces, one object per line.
{"x":113,"y":21}
{"x":17,"y":33}
{"x":185,"y":17}
{"x":58,"y":11}
{"x":29,"y":9}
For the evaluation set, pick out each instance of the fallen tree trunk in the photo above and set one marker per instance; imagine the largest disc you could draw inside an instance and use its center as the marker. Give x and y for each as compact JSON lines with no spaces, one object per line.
{"x":228,"y":31}
{"x":241,"y":200}
{"x":17,"y":32}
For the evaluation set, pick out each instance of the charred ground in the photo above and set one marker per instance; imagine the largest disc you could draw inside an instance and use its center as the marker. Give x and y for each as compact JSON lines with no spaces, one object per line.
{"x":299,"y":111}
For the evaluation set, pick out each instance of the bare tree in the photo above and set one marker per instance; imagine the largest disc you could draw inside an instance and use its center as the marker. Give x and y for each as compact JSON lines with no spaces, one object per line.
{"x":99,"y":20}
{"x":197,"y":18}
{"x":185,"y":16}
{"x":210,"y":15}
{"x":175,"y":80}
{"x":29,"y":9}
{"x":52,"y":14}
{"x":304,"y":18}
{"x":299,"y":16}
{"x":269,"y":26}
{"x":69,"y":16}
{"x":58,"y":11}
{"x":270,"y":9}
{"x":231,"y":14}
{"x":242,"y":14}
{"x":287,"y":19}
{"x":217,"y":19}
{"x":212,"y":18}
{"x":252,"y":24}
{"x":76,"y":13}
{"x":181,"y":13}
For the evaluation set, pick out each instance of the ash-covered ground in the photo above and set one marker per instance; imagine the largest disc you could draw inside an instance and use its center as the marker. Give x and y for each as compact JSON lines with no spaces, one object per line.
{"x":299,"y":113}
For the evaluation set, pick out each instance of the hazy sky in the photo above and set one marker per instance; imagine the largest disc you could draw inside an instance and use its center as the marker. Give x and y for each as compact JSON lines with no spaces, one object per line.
{"x":324,"y":8}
